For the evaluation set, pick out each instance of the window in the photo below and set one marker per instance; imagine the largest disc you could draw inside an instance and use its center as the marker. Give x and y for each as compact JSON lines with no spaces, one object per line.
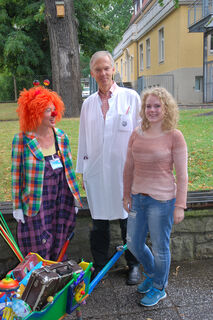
{"x":121,"y":68}
{"x":116,"y":67}
{"x":148,"y":53}
{"x":141,"y":56}
{"x":161,"y":44}
{"x":141,"y":4}
{"x":198,"y":83}
{"x":211,"y":43}
{"x":131,"y":63}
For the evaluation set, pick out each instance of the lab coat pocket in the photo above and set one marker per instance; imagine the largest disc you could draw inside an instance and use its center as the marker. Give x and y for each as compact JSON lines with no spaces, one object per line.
{"x":92,"y":167}
{"x":125,"y":123}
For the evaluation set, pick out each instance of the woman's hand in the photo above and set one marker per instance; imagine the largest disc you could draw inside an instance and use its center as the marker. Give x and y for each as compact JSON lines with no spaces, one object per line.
{"x":178,"y":215}
{"x":127,"y":204}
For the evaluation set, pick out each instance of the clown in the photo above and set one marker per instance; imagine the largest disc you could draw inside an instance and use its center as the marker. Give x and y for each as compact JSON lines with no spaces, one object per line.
{"x":44,"y":187}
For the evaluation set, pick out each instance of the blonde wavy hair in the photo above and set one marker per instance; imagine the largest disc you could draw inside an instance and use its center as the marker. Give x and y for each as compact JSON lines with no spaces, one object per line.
{"x":170,"y":108}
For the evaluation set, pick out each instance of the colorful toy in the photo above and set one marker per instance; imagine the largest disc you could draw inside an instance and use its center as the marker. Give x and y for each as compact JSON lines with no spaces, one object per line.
{"x":8,"y":237}
{"x":46,"y":82}
{"x":65,"y":246}
{"x":23,"y":268}
{"x":66,"y":300}
{"x":8,"y":286}
{"x":71,"y":281}
{"x":36,"y":83}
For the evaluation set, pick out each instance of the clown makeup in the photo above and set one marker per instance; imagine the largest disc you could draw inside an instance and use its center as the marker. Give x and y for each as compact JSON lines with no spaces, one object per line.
{"x":49,"y":116}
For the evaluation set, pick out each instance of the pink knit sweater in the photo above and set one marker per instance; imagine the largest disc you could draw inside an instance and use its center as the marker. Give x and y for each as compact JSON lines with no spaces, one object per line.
{"x":149,"y":166}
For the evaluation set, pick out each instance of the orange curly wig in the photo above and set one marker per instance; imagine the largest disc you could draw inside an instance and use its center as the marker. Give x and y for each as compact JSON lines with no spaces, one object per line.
{"x":31,"y":106}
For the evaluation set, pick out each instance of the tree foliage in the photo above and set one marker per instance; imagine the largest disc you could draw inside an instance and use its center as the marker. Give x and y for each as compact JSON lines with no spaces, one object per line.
{"x":24,"y":42}
{"x":101,"y":23}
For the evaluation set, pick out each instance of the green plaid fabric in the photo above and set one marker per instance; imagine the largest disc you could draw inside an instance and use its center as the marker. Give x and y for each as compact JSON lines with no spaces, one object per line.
{"x":28,"y":171}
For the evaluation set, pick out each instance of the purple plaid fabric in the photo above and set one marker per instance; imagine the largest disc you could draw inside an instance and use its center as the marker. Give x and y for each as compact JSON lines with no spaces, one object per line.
{"x":46,"y":232}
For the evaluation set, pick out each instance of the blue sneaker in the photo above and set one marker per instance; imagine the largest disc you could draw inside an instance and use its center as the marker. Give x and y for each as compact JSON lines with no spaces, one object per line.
{"x":146,"y":285}
{"x":153,"y":297}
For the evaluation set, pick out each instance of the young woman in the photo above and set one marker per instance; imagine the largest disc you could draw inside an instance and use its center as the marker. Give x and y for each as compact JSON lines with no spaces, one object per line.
{"x":153,"y":196}
{"x":44,"y":185}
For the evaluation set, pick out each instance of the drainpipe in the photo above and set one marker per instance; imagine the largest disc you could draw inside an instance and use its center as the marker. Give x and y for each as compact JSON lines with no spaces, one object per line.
{"x":205,"y":34}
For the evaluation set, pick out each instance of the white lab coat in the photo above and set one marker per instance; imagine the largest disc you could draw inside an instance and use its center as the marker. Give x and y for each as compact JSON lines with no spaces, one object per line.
{"x":102,"y":150}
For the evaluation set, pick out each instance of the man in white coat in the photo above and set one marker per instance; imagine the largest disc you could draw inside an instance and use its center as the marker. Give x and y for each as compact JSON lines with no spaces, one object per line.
{"x":107,"y":120}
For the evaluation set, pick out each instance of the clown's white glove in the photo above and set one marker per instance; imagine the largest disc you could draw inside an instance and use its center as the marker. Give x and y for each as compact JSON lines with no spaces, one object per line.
{"x":19,"y":215}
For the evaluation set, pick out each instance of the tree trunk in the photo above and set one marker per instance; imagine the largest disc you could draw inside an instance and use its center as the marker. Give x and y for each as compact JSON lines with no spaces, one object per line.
{"x":65,"y":60}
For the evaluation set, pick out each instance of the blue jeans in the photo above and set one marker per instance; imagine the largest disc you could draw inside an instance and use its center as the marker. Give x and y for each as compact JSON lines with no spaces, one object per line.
{"x":155,"y":217}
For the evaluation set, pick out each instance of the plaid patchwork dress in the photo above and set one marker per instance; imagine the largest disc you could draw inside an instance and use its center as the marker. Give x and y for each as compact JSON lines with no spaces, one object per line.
{"x":45,"y":195}
{"x":46,"y":232}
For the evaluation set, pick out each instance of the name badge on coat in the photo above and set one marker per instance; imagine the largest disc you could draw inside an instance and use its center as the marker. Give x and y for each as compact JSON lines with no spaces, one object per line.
{"x":125,"y":123}
{"x":56,"y":163}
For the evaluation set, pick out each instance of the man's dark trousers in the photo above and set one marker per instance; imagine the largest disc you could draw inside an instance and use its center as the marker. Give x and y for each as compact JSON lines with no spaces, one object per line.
{"x":100,"y":241}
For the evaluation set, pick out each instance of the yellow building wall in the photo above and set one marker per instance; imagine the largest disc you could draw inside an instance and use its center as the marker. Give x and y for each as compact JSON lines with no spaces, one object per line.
{"x":191,"y":44}
{"x":130,"y":51}
{"x":118,"y":61}
{"x":182,"y":49}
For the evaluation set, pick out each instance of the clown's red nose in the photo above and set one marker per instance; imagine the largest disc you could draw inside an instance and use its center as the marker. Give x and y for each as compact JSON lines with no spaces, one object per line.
{"x":53,"y":114}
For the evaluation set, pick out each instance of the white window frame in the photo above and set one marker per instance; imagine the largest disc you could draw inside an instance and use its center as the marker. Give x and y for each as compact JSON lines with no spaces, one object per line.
{"x":211,"y":43}
{"x":148,"y":53}
{"x":136,"y":8}
{"x":132,"y":64}
{"x":198,"y":83}
{"x":141,"y":55}
{"x":121,"y":68}
{"x":161,"y":46}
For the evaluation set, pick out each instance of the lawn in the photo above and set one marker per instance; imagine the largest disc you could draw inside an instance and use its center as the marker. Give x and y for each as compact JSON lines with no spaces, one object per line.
{"x":196,"y":129}
{"x":8,"y":111}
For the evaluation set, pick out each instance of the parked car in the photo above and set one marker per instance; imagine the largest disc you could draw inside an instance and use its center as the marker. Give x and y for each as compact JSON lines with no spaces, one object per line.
{"x":85,"y":92}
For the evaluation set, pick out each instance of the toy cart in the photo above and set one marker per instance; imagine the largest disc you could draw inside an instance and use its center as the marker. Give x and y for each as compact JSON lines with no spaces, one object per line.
{"x":73,"y":294}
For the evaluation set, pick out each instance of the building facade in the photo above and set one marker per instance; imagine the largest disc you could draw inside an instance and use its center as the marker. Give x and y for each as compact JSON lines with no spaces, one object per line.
{"x":157,"y":49}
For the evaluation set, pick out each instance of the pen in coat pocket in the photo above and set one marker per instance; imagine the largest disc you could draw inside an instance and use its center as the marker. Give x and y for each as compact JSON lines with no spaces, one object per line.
{"x":127,"y":110}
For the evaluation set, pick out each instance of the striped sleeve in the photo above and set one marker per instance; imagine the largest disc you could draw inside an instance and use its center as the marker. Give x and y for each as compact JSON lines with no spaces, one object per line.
{"x":16,"y":170}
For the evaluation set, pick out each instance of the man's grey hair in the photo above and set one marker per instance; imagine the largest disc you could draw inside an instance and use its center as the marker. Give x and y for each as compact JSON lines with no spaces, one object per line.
{"x":99,"y":54}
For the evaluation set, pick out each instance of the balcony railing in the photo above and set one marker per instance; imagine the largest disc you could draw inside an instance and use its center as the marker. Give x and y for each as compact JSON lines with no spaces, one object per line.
{"x":199,"y":10}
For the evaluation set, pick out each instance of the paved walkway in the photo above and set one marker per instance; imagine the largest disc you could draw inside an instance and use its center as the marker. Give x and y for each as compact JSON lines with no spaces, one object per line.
{"x":189,"y":296}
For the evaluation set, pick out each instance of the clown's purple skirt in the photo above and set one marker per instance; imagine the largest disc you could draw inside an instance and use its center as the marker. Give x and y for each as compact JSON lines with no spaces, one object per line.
{"x":47,"y":232}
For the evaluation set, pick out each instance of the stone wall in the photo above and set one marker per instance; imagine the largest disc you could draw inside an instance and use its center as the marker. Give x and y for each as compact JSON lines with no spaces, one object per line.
{"x":193,"y":238}
{"x":190,"y":240}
